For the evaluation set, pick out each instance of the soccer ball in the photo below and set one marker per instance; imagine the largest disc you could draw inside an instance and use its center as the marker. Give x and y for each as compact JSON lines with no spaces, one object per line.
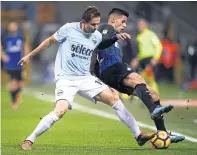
{"x":161,"y":140}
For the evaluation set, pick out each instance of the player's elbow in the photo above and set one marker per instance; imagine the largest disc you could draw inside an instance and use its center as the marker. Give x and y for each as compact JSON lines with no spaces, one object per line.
{"x":51,"y":40}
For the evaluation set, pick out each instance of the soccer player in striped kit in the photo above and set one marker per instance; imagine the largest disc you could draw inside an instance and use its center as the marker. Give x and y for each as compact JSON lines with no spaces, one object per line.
{"x":120,"y":76}
{"x":14,"y":47}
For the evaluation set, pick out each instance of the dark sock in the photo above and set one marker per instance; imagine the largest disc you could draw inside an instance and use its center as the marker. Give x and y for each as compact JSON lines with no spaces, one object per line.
{"x":159,"y":123}
{"x":143,"y":93}
{"x":157,"y":102}
{"x":14,"y":93}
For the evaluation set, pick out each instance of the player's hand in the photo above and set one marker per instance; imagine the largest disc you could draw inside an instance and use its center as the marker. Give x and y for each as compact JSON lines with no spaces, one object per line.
{"x":123,"y":36}
{"x":24,"y":60}
{"x":6,"y":58}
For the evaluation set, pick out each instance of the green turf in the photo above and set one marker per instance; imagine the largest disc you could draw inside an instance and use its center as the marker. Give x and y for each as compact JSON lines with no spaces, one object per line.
{"x":169,"y":91}
{"x":77,"y":133}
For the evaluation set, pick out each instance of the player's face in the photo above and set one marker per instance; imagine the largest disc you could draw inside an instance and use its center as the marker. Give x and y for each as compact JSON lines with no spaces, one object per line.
{"x":141,"y":25}
{"x":13,"y":27}
{"x":120,"y":23}
{"x":91,"y":26}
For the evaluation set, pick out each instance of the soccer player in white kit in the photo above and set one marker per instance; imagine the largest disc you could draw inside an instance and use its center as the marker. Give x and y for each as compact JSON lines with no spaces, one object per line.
{"x":78,"y":40}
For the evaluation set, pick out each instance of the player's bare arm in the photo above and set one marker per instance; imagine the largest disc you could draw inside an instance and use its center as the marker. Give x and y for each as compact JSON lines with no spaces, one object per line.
{"x":3,"y":56}
{"x":43,"y":46}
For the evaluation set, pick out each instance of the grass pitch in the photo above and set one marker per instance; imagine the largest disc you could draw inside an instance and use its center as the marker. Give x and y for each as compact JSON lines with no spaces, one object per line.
{"x":80,"y":133}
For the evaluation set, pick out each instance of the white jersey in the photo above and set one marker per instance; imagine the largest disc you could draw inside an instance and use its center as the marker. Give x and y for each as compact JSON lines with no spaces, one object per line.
{"x":75,"y":51}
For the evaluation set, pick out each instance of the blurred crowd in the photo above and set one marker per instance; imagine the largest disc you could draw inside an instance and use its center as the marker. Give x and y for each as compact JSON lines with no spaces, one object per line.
{"x":174,"y":64}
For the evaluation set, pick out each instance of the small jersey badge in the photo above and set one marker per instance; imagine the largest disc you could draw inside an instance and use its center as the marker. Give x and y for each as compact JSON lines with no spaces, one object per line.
{"x":129,"y":69}
{"x":105,"y":31}
{"x":59,"y":92}
{"x":94,"y":40}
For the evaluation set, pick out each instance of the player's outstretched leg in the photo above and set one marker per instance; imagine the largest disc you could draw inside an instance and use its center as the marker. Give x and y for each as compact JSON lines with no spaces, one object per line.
{"x":159,"y":121}
{"x":130,"y":122}
{"x":143,"y":92}
{"x":152,"y":101}
{"x":111,"y":98}
{"x":156,"y":111}
{"x":62,"y":106}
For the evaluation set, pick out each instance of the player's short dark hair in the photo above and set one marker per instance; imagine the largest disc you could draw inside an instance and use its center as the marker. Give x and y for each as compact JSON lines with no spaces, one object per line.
{"x":90,"y":12}
{"x":119,"y":11}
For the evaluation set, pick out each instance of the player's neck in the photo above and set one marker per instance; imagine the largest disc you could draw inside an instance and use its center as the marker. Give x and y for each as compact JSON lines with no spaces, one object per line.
{"x":82,"y":26}
{"x":12,"y":33}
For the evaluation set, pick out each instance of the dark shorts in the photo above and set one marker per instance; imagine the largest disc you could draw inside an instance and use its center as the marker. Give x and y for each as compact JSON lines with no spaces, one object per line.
{"x":15,"y":74}
{"x":145,"y":62}
{"x":113,"y":76}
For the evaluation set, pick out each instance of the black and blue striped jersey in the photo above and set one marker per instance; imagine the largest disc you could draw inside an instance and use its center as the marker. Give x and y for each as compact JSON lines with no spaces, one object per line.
{"x":110,"y":55}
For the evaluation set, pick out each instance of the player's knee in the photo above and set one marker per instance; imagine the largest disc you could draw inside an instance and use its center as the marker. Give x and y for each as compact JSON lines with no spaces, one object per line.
{"x":113,"y":97}
{"x":62,"y":106}
{"x":134,"y":79}
{"x":110,"y":99}
{"x":139,"y":79}
{"x":108,"y":96}
{"x":21,"y":84}
{"x":12,"y":85}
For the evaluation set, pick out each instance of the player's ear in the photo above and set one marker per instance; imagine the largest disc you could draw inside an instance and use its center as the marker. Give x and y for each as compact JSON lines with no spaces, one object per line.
{"x":113,"y":20}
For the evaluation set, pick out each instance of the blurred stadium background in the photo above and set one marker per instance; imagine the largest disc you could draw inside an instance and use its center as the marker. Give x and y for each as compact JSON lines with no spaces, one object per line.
{"x":92,"y":134}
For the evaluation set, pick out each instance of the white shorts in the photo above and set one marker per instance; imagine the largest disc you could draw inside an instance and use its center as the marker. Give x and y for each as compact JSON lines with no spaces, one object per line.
{"x":87,"y":87}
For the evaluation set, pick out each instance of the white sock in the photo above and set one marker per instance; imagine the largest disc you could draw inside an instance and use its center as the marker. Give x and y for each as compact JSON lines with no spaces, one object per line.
{"x":126,"y":118}
{"x":45,"y":123}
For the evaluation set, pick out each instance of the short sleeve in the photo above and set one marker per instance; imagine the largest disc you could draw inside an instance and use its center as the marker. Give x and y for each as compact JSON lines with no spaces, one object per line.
{"x":61,"y":34}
